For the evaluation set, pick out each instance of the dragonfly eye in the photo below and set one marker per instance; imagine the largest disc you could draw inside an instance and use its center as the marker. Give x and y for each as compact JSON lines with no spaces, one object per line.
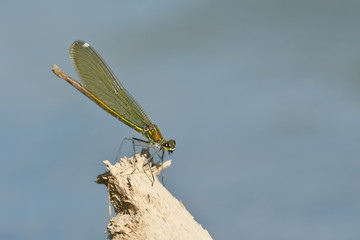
{"x":169,"y":145}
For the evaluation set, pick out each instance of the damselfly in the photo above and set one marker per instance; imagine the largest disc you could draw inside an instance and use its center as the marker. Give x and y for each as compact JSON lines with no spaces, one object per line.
{"x":98,"y":83}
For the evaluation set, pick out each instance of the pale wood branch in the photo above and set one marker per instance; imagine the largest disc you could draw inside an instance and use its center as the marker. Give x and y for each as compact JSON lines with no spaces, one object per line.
{"x":146,"y":211}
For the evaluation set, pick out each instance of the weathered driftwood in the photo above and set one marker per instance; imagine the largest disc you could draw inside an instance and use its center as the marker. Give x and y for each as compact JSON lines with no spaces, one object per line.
{"x":145,"y":211}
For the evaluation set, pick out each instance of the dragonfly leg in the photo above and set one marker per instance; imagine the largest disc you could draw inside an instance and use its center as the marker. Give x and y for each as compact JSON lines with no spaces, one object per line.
{"x":135,"y":142}
{"x":134,"y":158}
{"x":150,"y":162}
{"x":121,"y":145}
{"x":139,"y":143}
{"x":162,"y":166}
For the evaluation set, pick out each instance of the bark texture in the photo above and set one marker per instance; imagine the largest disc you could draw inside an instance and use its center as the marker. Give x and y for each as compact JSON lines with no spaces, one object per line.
{"x":145,"y":211}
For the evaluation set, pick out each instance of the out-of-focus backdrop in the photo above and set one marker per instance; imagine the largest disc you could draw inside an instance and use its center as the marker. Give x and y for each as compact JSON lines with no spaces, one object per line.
{"x":262,"y":97}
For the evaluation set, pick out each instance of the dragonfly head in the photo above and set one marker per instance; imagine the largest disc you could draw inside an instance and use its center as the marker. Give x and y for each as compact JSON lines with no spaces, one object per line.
{"x":169,"y":145}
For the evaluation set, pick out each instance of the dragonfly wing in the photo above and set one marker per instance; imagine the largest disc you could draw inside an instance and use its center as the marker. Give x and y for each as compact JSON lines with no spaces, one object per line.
{"x":99,"y":80}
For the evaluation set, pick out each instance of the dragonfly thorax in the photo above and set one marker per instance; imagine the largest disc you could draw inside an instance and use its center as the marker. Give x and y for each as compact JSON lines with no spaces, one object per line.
{"x":153,"y":134}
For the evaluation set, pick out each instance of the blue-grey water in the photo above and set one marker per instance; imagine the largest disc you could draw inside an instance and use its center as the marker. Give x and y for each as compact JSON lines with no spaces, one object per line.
{"x":262,"y":97}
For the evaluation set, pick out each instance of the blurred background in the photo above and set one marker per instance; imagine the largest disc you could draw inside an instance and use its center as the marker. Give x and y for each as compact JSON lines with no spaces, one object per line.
{"x":262,"y":97}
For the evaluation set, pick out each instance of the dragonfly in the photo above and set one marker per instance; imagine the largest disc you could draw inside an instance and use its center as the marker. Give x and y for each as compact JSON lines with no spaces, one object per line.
{"x":99,"y":83}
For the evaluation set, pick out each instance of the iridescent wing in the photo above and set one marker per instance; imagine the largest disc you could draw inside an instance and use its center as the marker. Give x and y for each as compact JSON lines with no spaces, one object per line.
{"x":99,"y":84}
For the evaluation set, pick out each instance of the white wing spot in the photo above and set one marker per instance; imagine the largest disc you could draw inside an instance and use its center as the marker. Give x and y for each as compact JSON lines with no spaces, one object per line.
{"x":86,"y":45}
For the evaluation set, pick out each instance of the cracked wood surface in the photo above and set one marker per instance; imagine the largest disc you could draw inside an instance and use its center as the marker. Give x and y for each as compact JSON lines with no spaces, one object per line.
{"x":145,"y":211}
